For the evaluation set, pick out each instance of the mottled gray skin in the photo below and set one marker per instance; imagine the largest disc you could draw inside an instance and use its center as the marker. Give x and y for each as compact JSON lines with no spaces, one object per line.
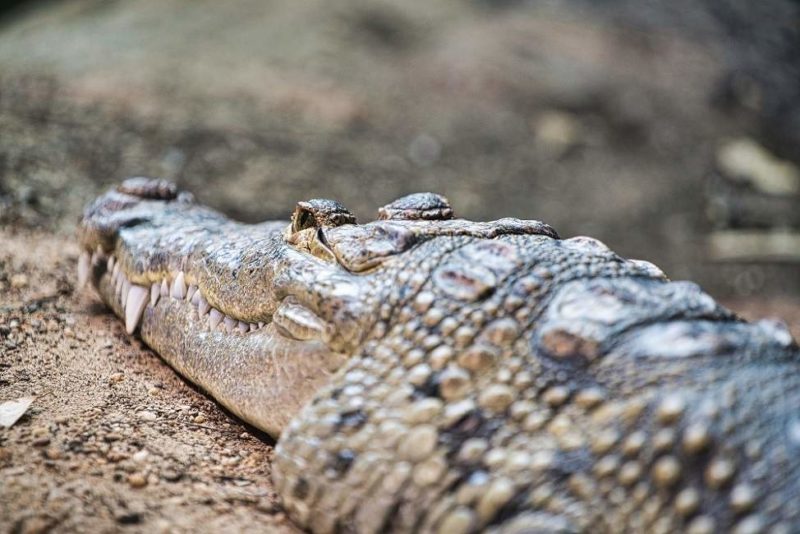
{"x":425,"y":373}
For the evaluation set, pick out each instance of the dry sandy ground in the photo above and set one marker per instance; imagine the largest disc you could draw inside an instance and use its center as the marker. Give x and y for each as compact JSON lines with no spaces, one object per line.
{"x":114,"y":439}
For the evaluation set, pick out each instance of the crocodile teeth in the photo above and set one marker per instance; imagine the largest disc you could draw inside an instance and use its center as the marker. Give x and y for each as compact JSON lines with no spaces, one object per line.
{"x":178,"y":290}
{"x":253,"y":327}
{"x":115,"y":272}
{"x":202,"y":305}
{"x":84,"y":265}
{"x":164,"y":288}
{"x":110,"y":264}
{"x":230,"y":323}
{"x":134,"y":306}
{"x":243,"y":327}
{"x":196,"y":296}
{"x":214,"y":318}
{"x":126,"y":286}
{"x":190,"y":292}
{"x":155,"y":293}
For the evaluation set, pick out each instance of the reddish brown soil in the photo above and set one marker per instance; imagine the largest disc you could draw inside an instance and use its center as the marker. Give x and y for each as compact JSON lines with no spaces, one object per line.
{"x":114,"y":438}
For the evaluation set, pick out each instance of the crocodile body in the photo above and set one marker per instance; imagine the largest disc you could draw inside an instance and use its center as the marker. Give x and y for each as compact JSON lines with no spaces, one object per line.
{"x":425,"y":373}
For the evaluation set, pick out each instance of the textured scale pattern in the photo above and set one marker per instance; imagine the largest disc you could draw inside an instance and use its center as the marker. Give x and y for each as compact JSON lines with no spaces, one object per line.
{"x":442,"y":376}
{"x":551,"y":402}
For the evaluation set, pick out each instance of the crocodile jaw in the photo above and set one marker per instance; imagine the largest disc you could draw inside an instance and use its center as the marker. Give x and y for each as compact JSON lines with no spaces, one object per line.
{"x":258,"y":371}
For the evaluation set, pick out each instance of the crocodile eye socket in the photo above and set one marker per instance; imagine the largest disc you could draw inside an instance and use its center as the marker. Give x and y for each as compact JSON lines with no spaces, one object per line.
{"x":360,"y":248}
{"x":326,"y":230}
{"x":320,"y":213}
{"x":321,"y":237}
{"x":315,"y":242}
{"x":319,"y":247}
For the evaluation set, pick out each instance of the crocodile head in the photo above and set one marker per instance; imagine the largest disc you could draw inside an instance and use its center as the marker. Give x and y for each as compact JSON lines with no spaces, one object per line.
{"x":459,"y":376}
{"x":277,"y":306}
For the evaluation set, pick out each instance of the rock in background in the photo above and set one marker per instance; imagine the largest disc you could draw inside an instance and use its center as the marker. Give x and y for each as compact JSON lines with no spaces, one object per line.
{"x":602,"y":118}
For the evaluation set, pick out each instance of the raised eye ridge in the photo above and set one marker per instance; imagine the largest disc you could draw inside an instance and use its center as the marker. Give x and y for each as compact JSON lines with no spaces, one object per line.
{"x":417,"y":206}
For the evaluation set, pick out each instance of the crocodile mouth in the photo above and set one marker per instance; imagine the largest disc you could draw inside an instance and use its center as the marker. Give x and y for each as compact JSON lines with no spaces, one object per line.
{"x":130,"y":300}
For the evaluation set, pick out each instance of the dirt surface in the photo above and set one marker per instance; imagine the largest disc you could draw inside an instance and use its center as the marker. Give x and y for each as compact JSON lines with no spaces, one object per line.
{"x":115,"y":440}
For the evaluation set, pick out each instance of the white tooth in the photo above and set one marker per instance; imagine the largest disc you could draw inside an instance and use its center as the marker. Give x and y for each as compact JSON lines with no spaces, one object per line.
{"x":136,"y":302}
{"x":202,"y":305}
{"x":84,"y":266}
{"x":95,"y":258}
{"x":115,"y":272}
{"x":243,"y":327}
{"x":214,"y":318}
{"x":261,"y":325}
{"x":154,"y":294}
{"x":253,"y":327}
{"x":230,"y":323}
{"x":190,"y":292}
{"x":126,"y":286}
{"x":110,"y":264}
{"x":196,"y":296}
{"x":164,"y":288}
{"x":178,"y":290}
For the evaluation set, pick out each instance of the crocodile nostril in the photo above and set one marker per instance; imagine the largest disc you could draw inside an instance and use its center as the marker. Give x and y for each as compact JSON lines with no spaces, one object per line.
{"x":418,"y":206}
{"x":149,"y":188}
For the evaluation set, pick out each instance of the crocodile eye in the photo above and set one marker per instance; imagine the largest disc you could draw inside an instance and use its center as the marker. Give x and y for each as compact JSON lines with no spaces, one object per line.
{"x":303,"y":220}
{"x":310,"y":220}
{"x":320,"y":213}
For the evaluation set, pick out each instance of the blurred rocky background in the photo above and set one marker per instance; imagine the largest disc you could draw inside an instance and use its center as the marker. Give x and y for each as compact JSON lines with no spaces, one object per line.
{"x":668,"y":129}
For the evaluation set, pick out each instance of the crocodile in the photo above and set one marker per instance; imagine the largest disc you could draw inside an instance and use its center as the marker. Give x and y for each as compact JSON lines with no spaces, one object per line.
{"x":425,"y":373}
